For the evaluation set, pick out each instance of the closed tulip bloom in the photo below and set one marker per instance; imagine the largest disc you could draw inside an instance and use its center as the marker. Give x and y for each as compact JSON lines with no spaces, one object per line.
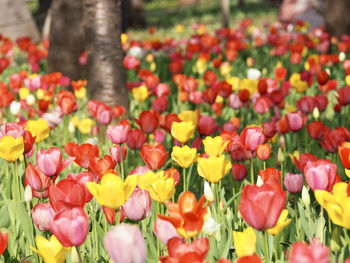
{"x":66,"y":101}
{"x":13,"y":129}
{"x":50,"y":161}
{"x":138,"y":206}
{"x":252,"y":137}
{"x":261,"y":206}
{"x":320,"y":175}
{"x":344,"y":154}
{"x":244,"y":242}
{"x":303,"y":160}
{"x":164,"y":230}
{"x":183,"y":131}
{"x":10,"y":148}
{"x":262,"y":105}
{"x":293,"y":183}
{"x":206,"y":125}
{"x":303,"y":252}
{"x":282,"y":222}
{"x":82,"y":178}
{"x":140,"y":93}
{"x":148,"y":121}
{"x":263,"y":152}
{"x":154,"y":156}
{"x":316,"y":130}
{"x":70,"y":226}
{"x":125,"y":244}
{"x":337,"y":204}
{"x":295,"y":121}
{"x":112,"y":192}
{"x":184,"y":156}
{"x":39,"y":129}
{"x":118,"y":133}
{"x":42,"y":216}
{"x":214,"y":146}
{"x":103,"y":114}
{"x":239,"y":171}
{"x":136,"y":138}
{"x":50,"y":251}
{"x":213,"y":169}
{"x":160,"y":186}
{"x":118,"y":153}
{"x":190,"y":115}
{"x":3,"y":242}
{"x":37,"y":180}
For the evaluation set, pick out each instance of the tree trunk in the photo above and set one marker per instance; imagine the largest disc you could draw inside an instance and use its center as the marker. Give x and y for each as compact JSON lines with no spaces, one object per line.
{"x":241,"y":3}
{"x":66,"y":38}
{"x":135,"y":13}
{"x":225,"y":9}
{"x":106,"y":75}
{"x":44,"y":6}
{"x":336,"y":16}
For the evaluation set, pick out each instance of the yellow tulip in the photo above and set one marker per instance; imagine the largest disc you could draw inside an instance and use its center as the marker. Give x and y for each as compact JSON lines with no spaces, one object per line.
{"x":182,"y":131}
{"x":299,"y":85}
{"x":184,"y":156}
{"x":201,"y":66}
{"x":337,"y":204}
{"x":51,"y":251}
{"x":74,"y":120}
{"x":179,"y":29}
{"x":159,"y":185}
{"x":85,"y":125}
{"x":214,"y":146}
{"x":23,"y":93}
{"x":234,"y":82}
{"x":213,"y":169}
{"x":189,"y":115}
{"x":244,"y":242}
{"x":225,"y":69}
{"x":40,"y":94}
{"x":39,"y":129}
{"x":124,"y":38}
{"x":281,"y":223}
{"x":112,"y":192}
{"x":80,"y":93}
{"x":11,"y":149}
{"x":140,"y":93}
{"x":250,"y":85}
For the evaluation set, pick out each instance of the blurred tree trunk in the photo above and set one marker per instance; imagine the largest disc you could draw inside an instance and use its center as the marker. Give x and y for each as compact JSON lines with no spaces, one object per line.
{"x":225,"y":9}
{"x":66,"y":38}
{"x":106,"y":75}
{"x":44,"y":6}
{"x":336,"y":16}
{"x":241,"y":3}
{"x":136,"y":13}
{"x":183,"y":3}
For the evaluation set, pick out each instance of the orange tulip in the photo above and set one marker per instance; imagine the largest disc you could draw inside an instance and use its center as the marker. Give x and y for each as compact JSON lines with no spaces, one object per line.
{"x":344,"y":153}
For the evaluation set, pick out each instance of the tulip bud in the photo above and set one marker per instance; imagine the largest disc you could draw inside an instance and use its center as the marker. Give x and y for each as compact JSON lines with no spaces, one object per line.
{"x":71,"y":127}
{"x":208,"y":193}
{"x":341,"y":56}
{"x":138,"y":206}
{"x":74,"y":258}
{"x":15,"y":107}
{"x":280,"y":156}
{"x":305,"y":196}
{"x":42,"y":216}
{"x":259,"y":181}
{"x":28,"y":194}
{"x":316,"y":113}
{"x":328,"y":71}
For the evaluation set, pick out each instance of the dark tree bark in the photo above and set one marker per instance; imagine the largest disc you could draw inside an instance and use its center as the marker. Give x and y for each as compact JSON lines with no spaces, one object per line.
{"x":44,"y":6}
{"x":106,"y":75}
{"x":66,"y":38}
{"x":241,"y":3}
{"x":337,"y":17}
{"x":225,"y":9}
{"x":135,"y":13}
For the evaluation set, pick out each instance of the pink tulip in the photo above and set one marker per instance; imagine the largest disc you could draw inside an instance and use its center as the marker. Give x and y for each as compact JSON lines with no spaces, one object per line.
{"x":70,"y":226}
{"x":42,"y":216}
{"x":295,"y":121}
{"x":164,"y":230}
{"x":138,"y":205}
{"x":234,"y":101}
{"x":252,"y":137}
{"x":303,"y":252}
{"x":140,"y":170}
{"x":12,"y":129}
{"x":50,"y":161}
{"x":118,"y":133}
{"x":262,"y":105}
{"x":293,"y":183}
{"x":82,"y":178}
{"x":159,"y":136}
{"x":320,"y":175}
{"x":117,"y":152}
{"x":125,"y":244}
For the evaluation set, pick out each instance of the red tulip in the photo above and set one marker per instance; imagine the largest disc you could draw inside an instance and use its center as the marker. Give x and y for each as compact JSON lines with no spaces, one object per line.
{"x":159,"y":104}
{"x":83,"y":153}
{"x":179,"y":251}
{"x":173,"y":173}
{"x":269,"y":129}
{"x":271,"y":175}
{"x":316,"y":130}
{"x":320,"y":175}
{"x":303,"y":160}
{"x":110,"y":215}
{"x":118,"y":111}
{"x":321,"y":102}
{"x":70,"y":226}
{"x":322,"y":77}
{"x":28,"y":141}
{"x":66,"y":194}
{"x":167,"y":122}
{"x":154,"y":156}
{"x":82,"y":178}
{"x":344,"y":96}
{"x":333,"y":139}
{"x":262,"y":86}
{"x":252,"y":137}
{"x":99,"y":166}
{"x":66,"y":101}
{"x":303,"y":252}
{"x":239,"y":171}
{"x":306,"y":104}
{"x":262,"y":105}
{"x":250,"y":259}
{"x":206,"y":125}
{"x":3,"y":242}
{"x":37,"y":180}
{"x":344,"y":154}
{"x":136,"y":138}
{"x":282,"y":126}
{"x":261,"y":206}
{"x":148,"y":121}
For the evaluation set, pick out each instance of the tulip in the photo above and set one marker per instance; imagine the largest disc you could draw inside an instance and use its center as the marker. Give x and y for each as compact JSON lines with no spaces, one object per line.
{"x":213,"y":169}
{"x":51,"y":251}
{"x":12,"y":129}
{"x":112,"y":192}
{"x":164,"y":230}
{"x":187,"y":215}
{"x":140,"y":93}
{"x":118,"y":153}
{"x":249,"y":259}
{"x":336,"y":204}
{"x":305,"y":197}
{"x":28,"y":196}
{"x":261,"y":206}
{"x":15,"y":106}
{"x":11,"y":149}
{"x":103,"y":113}
{"x":303,"y":160}
{"x":159,"y":185}
{"x":208,"y":193}
{"x":189,"y":115}
{"x":239,"y":171}
{"x":148,"y":121}
{"x":316,"y":130}
{"x":183,"y":131}
{"x":333,"y":139}
{"x":66,"y":101}
{"x":37,"y":180}
{"x":295,"y":121}
{"x":344,"y":154}
{"x":173,"y":173}
{"x":180,"y":251}
{"x":293,"y":183}
{"x":320,"y":174}
{"x":244,"y":242}
{"x":263,"y":152}
{"x":184,"y":156}
{"x":281,"y":223}
{"x":136,"y":138}
{"x":262,"y":105}
{"x":83,"y":153}
{"x":42,"y":216}
{"x":154,"y":156}
{"x":70,"y":226}
{"x":252,"y":137}
{"x":85,"y":125}
{"x":210,"y":227}
{"x":214,"y":146}
{"x":271,"y":175}
{"x":39,"y":129}
{"x":315,"y":252}
{"x":100,"y":166}
{"x":118,"y":133}
{"x":138,"y":206}
{"x":65,"y":194}
{"x":306,"y":104}
{"x":206,"y":125}
{"x":82,"y":178}
{"x":125,"y":244}
{"x":50,"y":161}
{"x":3,"y":242}
{"x":28,"y":141}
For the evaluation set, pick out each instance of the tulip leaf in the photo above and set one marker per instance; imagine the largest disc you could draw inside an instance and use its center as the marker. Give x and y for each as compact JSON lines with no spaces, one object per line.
{"x":5,"y":218}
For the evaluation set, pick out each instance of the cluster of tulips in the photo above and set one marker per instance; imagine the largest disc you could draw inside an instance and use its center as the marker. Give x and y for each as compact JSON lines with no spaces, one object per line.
{"x":235,"y":148}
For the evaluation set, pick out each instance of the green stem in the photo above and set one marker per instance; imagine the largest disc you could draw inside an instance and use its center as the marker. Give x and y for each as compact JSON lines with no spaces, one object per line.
{"x":296,"y":217}
{"x":251,"y":171}
{"x":321,"y":227}
{"x":218,"y":200}
{"x":79,"y":256}
{"x":121,"y":164}
{"x":184,"y":179}
{"x":266,"y":246}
